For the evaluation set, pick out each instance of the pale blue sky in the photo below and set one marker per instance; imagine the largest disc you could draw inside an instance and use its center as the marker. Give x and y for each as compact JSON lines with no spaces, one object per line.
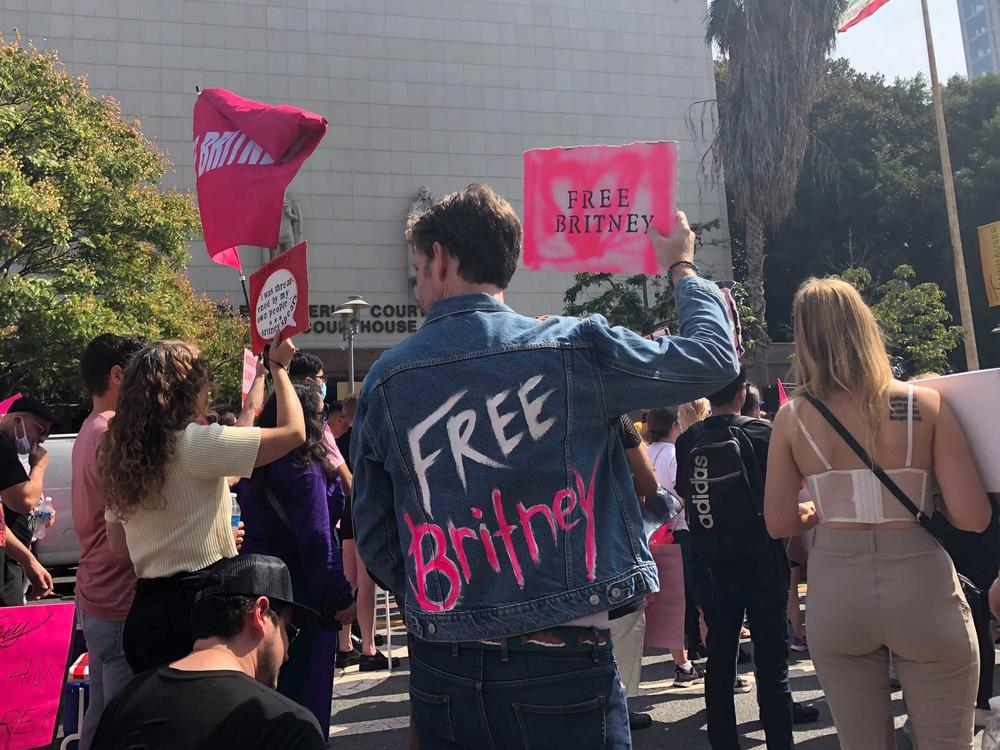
{"x":892,"y":40}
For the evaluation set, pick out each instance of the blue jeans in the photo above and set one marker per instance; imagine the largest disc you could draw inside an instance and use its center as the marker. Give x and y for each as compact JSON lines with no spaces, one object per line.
{"x":109,"y":671}
{"x":467,"y":697}
{"x":759,"y":590}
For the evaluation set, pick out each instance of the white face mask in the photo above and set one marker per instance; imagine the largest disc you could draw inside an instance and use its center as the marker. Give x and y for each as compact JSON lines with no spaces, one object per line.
{"x":21,"y":442}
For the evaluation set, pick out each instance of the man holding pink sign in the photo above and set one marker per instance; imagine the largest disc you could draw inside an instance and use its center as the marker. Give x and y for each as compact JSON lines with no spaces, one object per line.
{"x":498,"y":500}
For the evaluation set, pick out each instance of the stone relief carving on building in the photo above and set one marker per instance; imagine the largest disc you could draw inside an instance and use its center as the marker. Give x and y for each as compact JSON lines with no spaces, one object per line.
{"x":419,"y":207}
{"x":290,"y":233}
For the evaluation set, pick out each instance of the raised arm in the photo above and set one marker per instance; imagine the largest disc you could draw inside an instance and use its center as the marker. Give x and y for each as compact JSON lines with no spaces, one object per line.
{"x":24,"y":497}
{"x":783,"y":514}
{"x":290,"y":431}
{"x":956,"y":473}
{"x":638,"y":373}
{"x":255,"y":398}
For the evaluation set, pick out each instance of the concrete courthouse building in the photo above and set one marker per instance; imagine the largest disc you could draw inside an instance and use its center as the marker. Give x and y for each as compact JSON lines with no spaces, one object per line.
{"x":431,"y":94}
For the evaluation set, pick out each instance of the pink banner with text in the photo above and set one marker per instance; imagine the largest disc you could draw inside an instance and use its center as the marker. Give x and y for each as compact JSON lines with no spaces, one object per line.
{"x":34,"y":651}
{"x":588,"y":208}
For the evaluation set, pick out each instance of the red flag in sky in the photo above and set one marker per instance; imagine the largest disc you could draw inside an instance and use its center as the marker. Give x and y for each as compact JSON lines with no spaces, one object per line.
{"x":245,"y":155}
{"x":858,"y":10}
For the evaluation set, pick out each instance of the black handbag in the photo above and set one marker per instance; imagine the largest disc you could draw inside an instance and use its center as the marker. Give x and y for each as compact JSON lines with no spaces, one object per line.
{"x":937,"y":524}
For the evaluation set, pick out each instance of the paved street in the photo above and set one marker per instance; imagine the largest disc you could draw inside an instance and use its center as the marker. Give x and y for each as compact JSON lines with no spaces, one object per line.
{"x":375,"y":716}
{"x":370,"y":711}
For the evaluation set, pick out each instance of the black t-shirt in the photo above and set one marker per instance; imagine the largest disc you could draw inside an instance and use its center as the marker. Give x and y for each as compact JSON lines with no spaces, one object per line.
{"x":167,"y":709}
{"x":12,"y":473}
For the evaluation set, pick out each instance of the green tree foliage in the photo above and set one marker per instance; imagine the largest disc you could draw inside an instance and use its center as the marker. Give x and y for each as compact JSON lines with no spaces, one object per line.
{"x":871,"y":194}
{"x":645,"y":303}
{"x":88,"y":241}
{"x":775,"y":55}
{"x":916,"y":323}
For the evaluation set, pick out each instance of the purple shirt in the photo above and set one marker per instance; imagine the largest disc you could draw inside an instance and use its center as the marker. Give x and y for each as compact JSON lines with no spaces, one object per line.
{"x":313,"y":504}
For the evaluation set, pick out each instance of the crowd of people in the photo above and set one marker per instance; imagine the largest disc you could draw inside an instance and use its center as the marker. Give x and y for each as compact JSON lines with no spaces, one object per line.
{"x":491,"y":475}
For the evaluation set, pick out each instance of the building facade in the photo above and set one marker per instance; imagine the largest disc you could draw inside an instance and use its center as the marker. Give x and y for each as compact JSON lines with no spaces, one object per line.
{"x":423,"y":97}
{"x":980,"y":21}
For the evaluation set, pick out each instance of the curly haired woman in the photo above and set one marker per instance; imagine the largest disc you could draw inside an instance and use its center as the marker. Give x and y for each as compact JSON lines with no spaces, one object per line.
{"x":165,"y":484}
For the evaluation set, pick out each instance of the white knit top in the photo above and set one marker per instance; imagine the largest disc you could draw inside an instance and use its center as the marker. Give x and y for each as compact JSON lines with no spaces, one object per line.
{"x":188,"y":527}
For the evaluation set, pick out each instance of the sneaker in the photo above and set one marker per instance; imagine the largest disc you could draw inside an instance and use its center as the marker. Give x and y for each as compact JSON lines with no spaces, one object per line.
{"x":803,"y":714}
{"x":638,"y":721}
{"x":984,"y":716}
{"x":799,"y":645}
{"x":376,"y":662}
{"x":347,"y":659}
{"x":741,"y":686}
{"x":683,"y":679}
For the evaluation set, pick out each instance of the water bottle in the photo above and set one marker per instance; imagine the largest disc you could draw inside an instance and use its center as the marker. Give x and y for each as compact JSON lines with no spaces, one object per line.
{"x":237,"y":513}
{"x":42,"y":515}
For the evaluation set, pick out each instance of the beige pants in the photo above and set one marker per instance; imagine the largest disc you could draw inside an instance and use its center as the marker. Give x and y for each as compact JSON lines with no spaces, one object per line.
{"x":872,"y":592}
{"x":627,"y":635}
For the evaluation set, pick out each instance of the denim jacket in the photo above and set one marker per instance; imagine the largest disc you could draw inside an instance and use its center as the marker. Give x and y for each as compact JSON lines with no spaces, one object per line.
{"x":490,"y":484}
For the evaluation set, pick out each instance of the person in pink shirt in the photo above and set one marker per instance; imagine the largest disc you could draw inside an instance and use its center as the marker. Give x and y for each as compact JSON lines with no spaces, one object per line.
{"x":105,"y":583}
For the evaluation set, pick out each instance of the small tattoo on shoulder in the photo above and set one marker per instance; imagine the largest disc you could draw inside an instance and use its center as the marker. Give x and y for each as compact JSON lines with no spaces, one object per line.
{"x":898,"y":407}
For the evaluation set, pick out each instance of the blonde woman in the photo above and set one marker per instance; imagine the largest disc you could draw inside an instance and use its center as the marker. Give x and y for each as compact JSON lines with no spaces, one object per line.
{"x":693,"y":412}
{"x":165,"y":483}
{"x":879,"y":583}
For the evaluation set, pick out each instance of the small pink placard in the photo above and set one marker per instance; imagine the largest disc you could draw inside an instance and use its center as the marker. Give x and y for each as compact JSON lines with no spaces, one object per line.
{"x":588,"y":208}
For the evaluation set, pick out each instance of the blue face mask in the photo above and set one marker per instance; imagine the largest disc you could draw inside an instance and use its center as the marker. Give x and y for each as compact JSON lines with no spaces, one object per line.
{"x":21,"y":442}
{"x":322,"y":391}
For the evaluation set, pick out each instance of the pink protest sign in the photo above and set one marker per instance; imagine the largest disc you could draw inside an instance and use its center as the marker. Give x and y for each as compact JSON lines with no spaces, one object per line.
{"x":34,"y":651}
{"x":279,"y":297}
{"x":588,"y":208}
{"x":249,"y":371}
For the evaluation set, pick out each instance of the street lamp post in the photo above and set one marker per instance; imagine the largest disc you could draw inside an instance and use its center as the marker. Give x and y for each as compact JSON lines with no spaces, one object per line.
{"x":349,"y":314}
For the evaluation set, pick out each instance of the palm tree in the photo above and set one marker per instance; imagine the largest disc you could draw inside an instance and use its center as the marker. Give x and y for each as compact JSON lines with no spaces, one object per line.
{"x":776,"y":54}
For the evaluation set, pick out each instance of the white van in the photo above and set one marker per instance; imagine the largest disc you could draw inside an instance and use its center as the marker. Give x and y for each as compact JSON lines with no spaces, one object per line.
{"x":60,"y":548}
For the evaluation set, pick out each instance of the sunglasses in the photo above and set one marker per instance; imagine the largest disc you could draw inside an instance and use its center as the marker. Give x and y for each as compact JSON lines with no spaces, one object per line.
{"x":292,"y":633}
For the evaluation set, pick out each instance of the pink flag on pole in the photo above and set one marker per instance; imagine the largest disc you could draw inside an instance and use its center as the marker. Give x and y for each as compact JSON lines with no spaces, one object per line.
{"x":588,"y":208}
{"x":782,"y":396}
{"x":6,"y":403}
{"x":857,"y":11}
{"x":249,"y":372}
{"x":245,"y":155}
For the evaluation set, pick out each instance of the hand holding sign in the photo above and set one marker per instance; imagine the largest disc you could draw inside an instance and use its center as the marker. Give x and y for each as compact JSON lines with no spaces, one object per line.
{"x":280,"y":352}
{"x":589,"y":208}
{"x":279,"y":297}
{"x":677,"y":247}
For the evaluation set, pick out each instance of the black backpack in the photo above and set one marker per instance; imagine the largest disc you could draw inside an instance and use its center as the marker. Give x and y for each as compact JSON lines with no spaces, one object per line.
{"x":721,"y":481}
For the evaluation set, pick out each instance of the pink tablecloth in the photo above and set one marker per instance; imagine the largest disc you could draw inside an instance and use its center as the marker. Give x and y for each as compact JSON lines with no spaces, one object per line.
{"x":665,"y":610}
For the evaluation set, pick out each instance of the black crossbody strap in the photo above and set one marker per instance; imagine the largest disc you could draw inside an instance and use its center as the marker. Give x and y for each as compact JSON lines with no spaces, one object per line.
{"x":264,"y":486}
{"x":863,"y":455}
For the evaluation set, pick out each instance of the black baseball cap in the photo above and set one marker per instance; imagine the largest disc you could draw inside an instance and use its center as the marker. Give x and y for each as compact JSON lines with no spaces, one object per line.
{"x":253,"y":576}
{"x":27,"y":405}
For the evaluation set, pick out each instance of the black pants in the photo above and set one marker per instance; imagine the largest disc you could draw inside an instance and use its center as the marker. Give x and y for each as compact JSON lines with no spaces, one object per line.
{"x":987,"y":655}
{"x":692,"y":624}
{"x":759,"y":590}
{"x":12,"y":590}
{"x":158,"y":626}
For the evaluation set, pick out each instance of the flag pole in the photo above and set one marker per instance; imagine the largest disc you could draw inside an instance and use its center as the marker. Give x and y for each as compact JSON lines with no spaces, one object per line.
{"x":964,"y":305}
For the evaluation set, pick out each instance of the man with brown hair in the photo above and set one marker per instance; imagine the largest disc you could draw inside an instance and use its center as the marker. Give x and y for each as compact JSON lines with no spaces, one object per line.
{"x":492,"y":489}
